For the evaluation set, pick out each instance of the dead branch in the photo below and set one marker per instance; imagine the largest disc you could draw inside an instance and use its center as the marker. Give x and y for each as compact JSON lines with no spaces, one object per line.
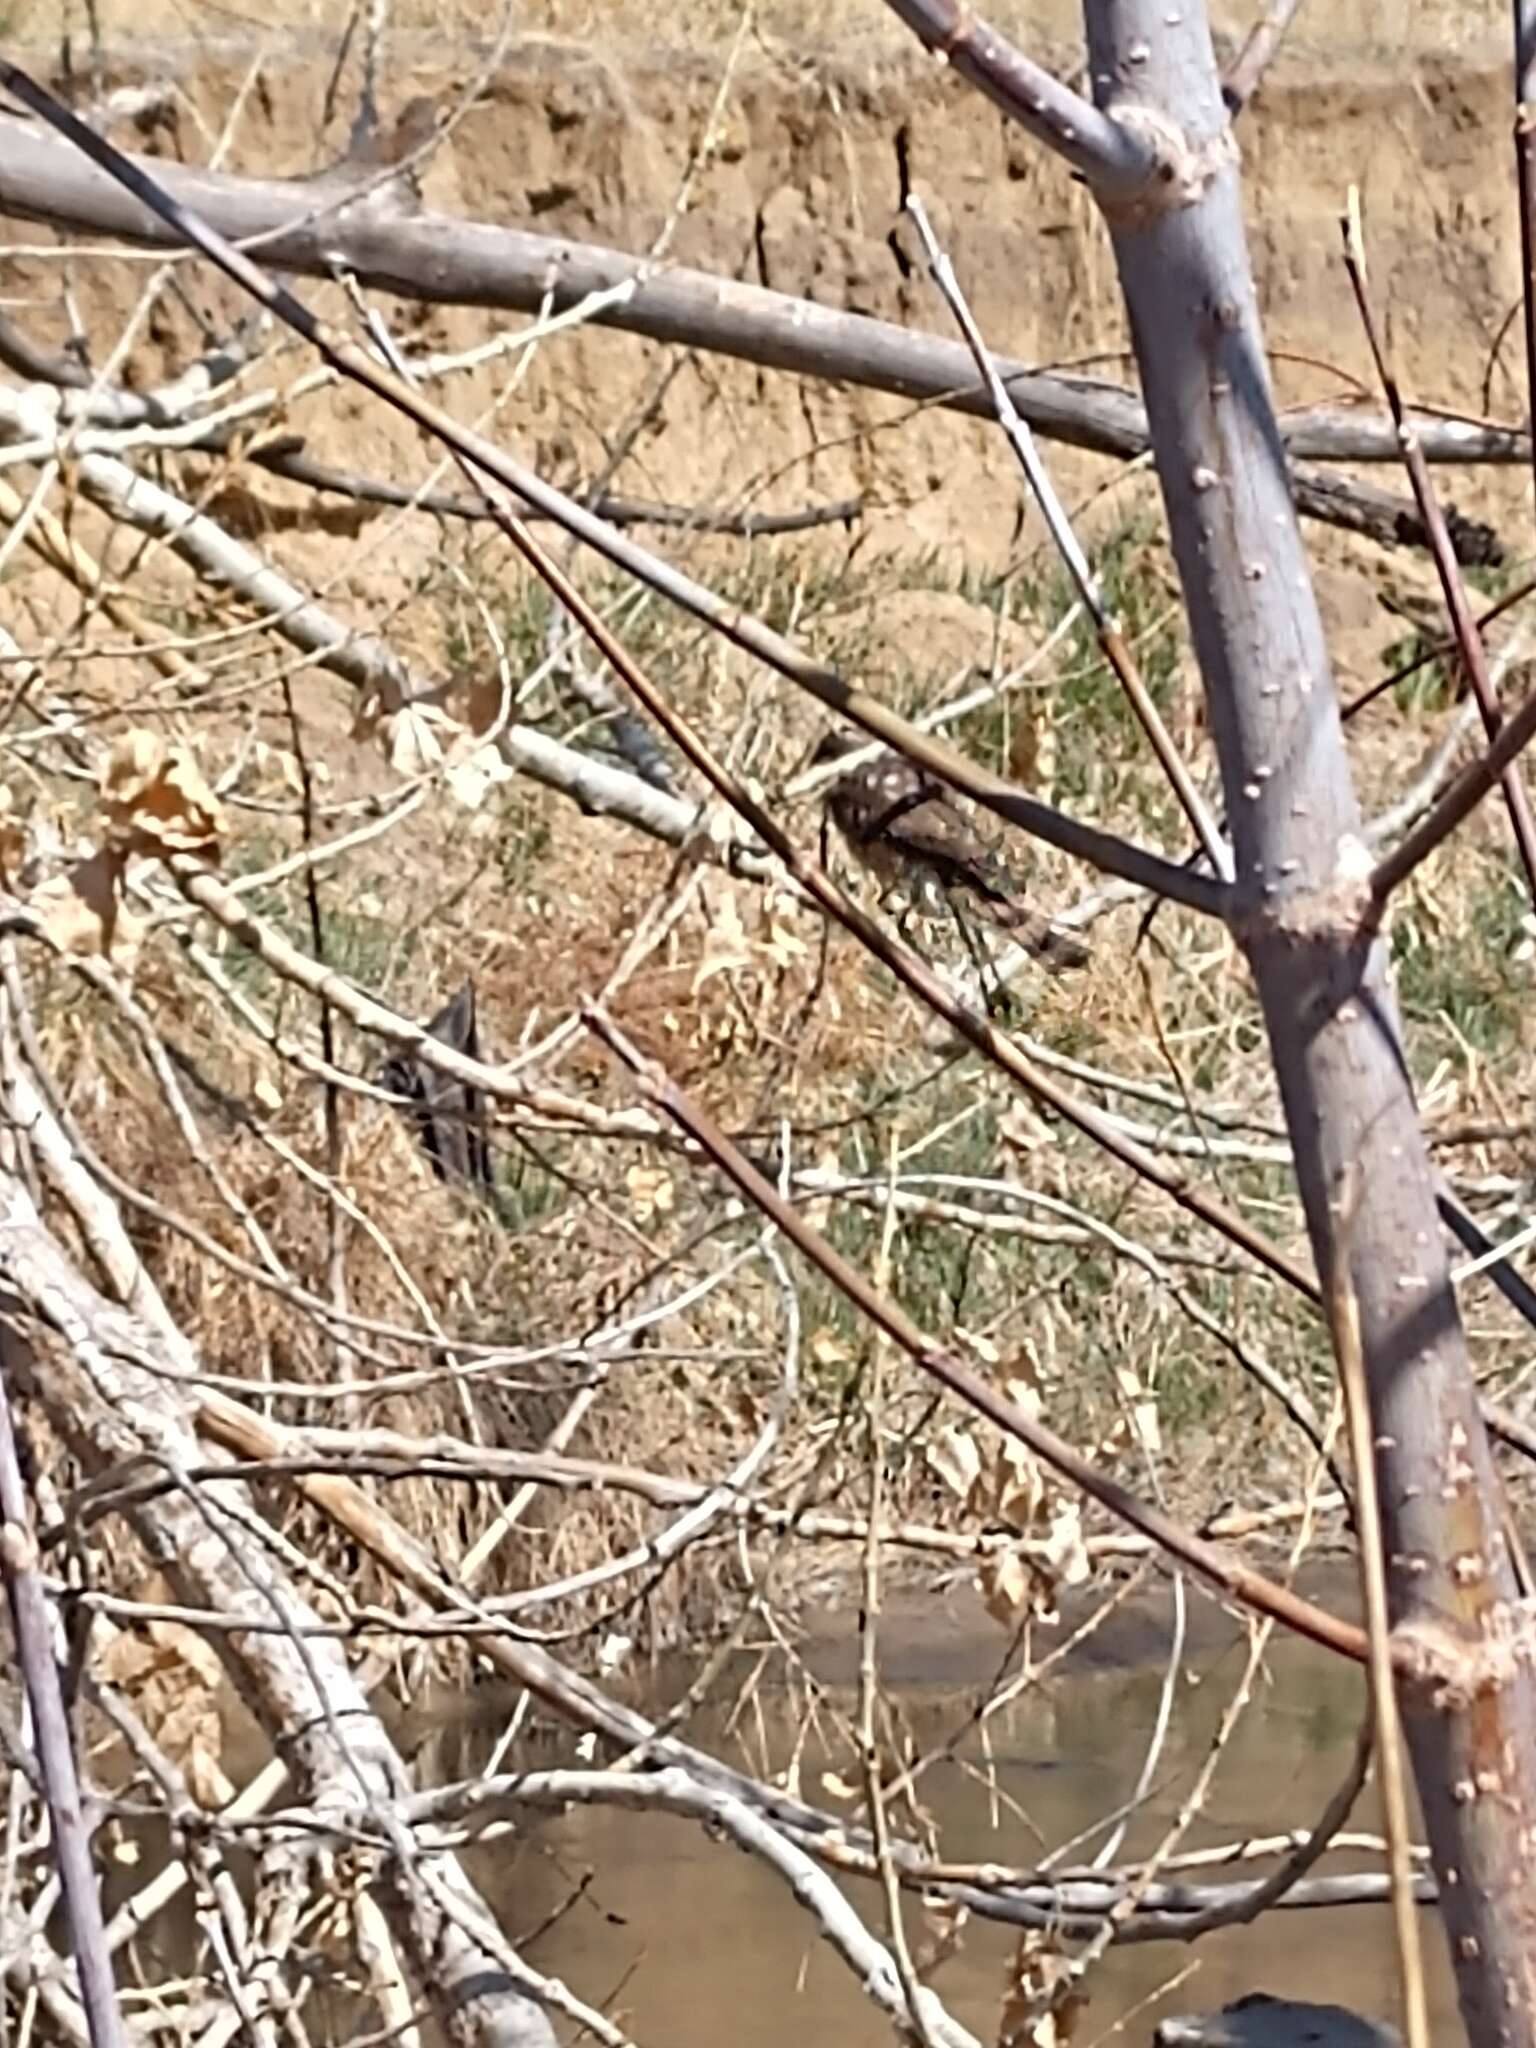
{"x":421,"y":255}
{"x":111,"y":1408}
{"x":50,"y":1728}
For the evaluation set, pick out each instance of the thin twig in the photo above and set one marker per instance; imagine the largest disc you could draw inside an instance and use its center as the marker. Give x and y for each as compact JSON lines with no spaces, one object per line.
{"x":1107,"y":627}
{"x":1468,"y":640}
{"x":1194,"y":1800}
{"x":1457,"y":802}
{"x":1247,"y":70}
{"x":1253,"y":1589}
{"x":1437,"y":649}
{"x":1344,"y":1317}
{"x":50,"y":1728}
{"x":869,"y":1649}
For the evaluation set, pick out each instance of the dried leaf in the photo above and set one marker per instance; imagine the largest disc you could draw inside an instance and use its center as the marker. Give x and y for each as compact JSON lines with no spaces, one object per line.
{"x":1041,"y":2002}
{"x":80,"y":912}
{"x":191,"y":1724}
{"x":484,"y":702}
{"x":277,"y":768}
{"x":650,"y":1191}
{"x":417,"y":738}
{"x":838,"y":1788}
{"x":1142,"y":1405}
{"x":828,"y":1349}
{"x":613,"y":1652}
{"x":1013,"y":1589}
{"x":784,"y":947}
{"x":127,"y":1659}
{"x":1064,"y":1544}
{"x":1032,"y":753}
{"x":474,"y":773}
{"x":175,"y":1680}
{"x":179,"y":1647}
{"x":154,"y":798}
{"x":720,"y":826}
{"x":726,"y":946}
{"x":13,"y":840}
{"x":954,"y":1458}
{"x":944,"y":1922}
{"x":1023,"y":1388}
{"x":1019,"y":1485}
{"x":205,"y":1776}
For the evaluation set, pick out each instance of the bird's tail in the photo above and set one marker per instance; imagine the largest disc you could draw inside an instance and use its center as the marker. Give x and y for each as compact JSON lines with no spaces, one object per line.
{"x":1051,"y":944}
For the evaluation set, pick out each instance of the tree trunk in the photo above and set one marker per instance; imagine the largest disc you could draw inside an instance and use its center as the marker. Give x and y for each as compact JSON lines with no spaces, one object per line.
{"x":1303,"y":920}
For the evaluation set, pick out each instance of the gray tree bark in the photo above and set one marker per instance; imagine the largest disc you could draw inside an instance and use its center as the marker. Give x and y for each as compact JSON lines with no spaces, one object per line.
{"x":1320,"y":964}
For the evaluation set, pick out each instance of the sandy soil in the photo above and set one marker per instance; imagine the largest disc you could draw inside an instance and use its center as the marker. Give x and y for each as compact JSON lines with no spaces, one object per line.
{"x":587,"y":129}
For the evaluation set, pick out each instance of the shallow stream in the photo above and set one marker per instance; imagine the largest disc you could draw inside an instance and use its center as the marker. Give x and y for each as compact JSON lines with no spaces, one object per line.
{"x":690,"y":1944}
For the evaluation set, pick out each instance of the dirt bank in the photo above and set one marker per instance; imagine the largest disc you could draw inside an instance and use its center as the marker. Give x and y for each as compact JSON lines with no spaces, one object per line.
{"x":588,"y":128}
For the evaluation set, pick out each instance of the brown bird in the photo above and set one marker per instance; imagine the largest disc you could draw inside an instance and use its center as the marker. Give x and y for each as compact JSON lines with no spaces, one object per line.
{"x":907,"y":829}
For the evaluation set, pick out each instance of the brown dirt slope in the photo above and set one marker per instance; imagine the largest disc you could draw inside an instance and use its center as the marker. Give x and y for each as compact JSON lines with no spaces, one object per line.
{"x":589,"y":125}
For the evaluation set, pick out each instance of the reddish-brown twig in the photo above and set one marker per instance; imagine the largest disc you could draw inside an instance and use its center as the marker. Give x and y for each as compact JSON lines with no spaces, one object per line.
{"x":1256,"y":1592}
{"x":1248,"y":67}
{"x":1469,"y":642}
{"x":1457,"y":803}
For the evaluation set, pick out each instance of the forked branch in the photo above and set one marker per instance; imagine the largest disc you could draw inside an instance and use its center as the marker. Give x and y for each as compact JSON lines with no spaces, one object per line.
{"x":1113,"y":159}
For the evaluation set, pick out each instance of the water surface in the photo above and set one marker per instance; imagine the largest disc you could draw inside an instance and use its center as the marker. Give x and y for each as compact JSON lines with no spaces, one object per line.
{"x":691,"y":1944}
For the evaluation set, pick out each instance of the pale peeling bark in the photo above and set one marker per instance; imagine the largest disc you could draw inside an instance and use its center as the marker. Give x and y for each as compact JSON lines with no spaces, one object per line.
{"x":1323,"y":980}
{"x":109,"y":1382}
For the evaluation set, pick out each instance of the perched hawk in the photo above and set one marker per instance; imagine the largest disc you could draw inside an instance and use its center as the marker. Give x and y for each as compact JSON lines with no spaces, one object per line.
{"x":907,"y":829}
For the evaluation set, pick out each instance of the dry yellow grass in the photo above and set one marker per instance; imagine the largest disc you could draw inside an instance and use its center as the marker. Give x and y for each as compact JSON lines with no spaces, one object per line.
{"x":1437,"y":27}
{"x":536,"y":901}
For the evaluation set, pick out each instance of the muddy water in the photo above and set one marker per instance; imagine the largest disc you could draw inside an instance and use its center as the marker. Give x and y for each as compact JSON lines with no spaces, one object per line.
{"x":690,"y":1944}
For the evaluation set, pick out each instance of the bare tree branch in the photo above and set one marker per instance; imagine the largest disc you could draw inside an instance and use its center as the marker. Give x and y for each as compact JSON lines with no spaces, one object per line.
{"x":1106,"y":851}
{"x":1114,"y":157}
{"x":1469,"y":641}
{"x":420,"y":255}
{"x":1246,"y":72}
{"x":1252,"y":1589}
{"x":1324,"y":982}
{"x":111,"y":1408}
{"x":1110,"y":637}
{"x":50,"y":1729}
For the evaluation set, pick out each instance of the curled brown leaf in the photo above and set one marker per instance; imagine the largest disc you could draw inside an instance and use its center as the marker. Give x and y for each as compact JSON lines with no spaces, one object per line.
{"x":154,"y":798}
